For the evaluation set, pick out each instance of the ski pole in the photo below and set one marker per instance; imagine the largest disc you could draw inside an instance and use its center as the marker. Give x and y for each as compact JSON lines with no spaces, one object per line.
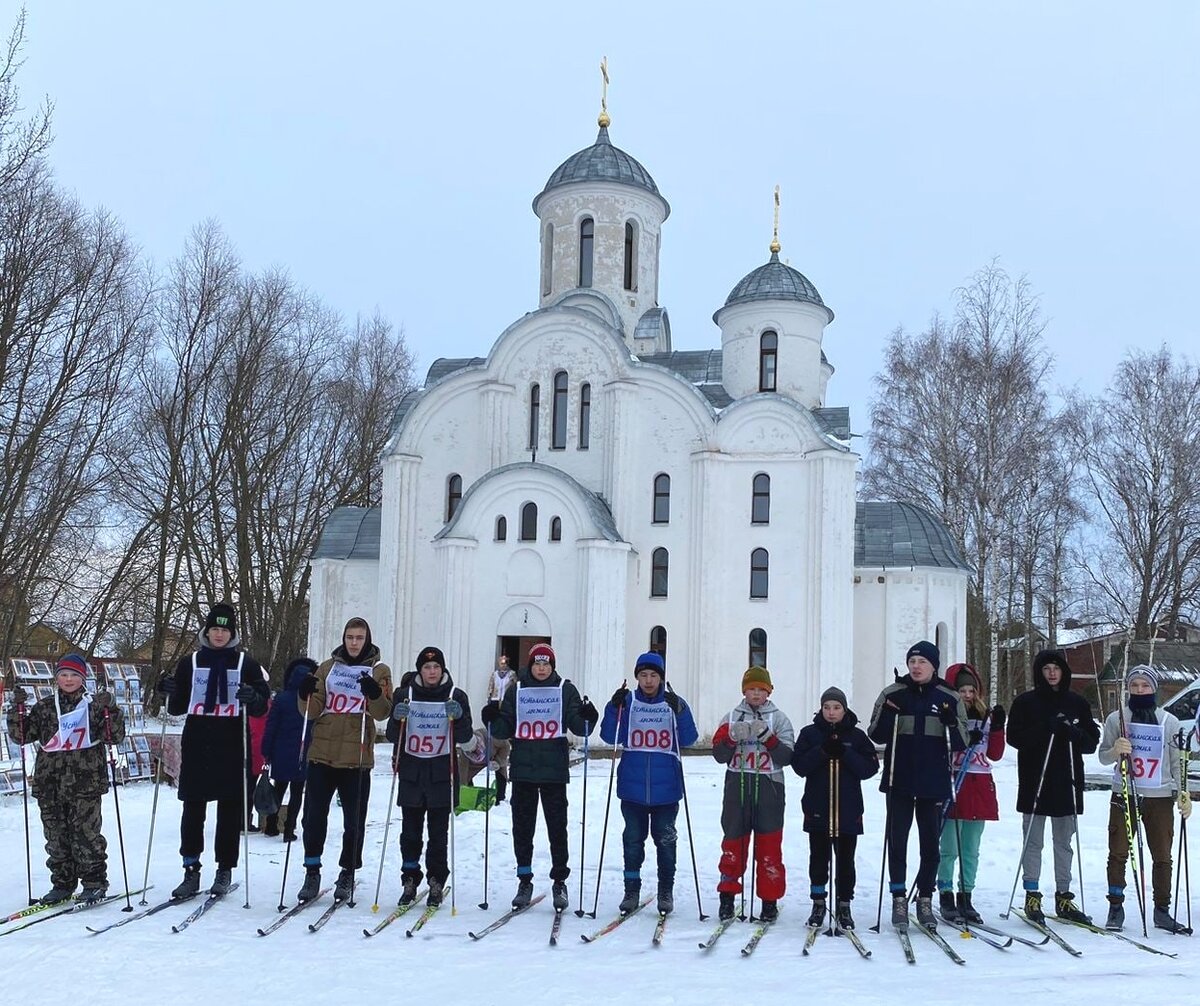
{"x":112,"y":763}
{"x":687,"y":816}
{"x":246,"y":801}
{"x":487,"y":815}
{"x":387,"y":822}
{"x":1075,"y":825}
{"x":360,"y":810}
{"x":1029,"y":828}
{"x":754,"y":844}
{"x":453,"y":804}
{"x":583,"y":822}
{"x":612,"y":772}
{"x":1183,"y":785}
{"x":962,"y":879}
{"x":22,"y":712}
{"x":740,"y":755}
{"x":162,"y":740}
{"x":287,"y":857}
{"x":832,"y":858}
{"x":887,"y":819}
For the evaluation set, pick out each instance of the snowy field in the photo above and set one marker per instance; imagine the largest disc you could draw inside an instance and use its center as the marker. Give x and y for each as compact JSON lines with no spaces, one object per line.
{"x":221,"y":959}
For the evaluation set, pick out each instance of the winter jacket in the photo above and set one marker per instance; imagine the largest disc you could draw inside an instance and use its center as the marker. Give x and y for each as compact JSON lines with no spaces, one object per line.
{"x":285,"y":727}
{"x":919,"y":767}
{"x":425,"y":782}
{"x":976,"y":799}
{"x":82,"y":772}
{"x":858,"y":762}
{"x":1030,"y":724}
{"x":212,"y":747}
{"x":346,"y":740}
{"x":772,"y":756}
{"x":540,"y":760}
{"x":1113,"y":728}
{"x":650,"y":778}
{"x":498,"y":684}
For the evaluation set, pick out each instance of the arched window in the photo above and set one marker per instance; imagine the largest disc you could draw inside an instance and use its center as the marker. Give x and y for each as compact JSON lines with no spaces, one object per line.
{"x":630,"y":256}
{"x":558,"y":426}
{"x":535,"y":402}
{"x":501,"y":528}
{"x":760,"y":499}
{"x":658,"y":642}
{"x":941,"y":638}
{"x":587,"y":238}
{"x":768,"y":346}
{"x":758,"y":648}
{"x":453,"y":494}
{"x":659,"y":564}
{"x":662,"y":498}
{"x":556,"y":529}
{"x":529,"y":522}
{"x":547,"y":259}
{"x":759,"y":564}
{"x":585,"y":416}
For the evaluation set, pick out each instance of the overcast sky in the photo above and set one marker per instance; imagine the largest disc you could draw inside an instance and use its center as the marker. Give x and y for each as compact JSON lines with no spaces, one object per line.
{"x":386,"y":154}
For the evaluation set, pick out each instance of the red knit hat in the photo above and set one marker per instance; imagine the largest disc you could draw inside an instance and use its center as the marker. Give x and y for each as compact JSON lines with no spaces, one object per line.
{"x":541,"y":650}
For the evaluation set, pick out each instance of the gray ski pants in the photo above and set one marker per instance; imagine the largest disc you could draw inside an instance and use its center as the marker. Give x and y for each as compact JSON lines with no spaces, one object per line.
{"x":1062,"y":834}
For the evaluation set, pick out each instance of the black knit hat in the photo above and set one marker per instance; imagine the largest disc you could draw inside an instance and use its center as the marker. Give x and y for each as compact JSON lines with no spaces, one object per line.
{"x":431,"y":654}
{"x":834,"y":694}
{"x":222,"y":616}
{"x":927,"y":650}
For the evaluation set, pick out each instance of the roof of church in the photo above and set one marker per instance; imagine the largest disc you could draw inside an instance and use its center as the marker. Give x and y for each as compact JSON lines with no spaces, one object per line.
{"x":774,"y":281}
{"x":351,"y":532}
{"x":890,"y":535}
{"x":601,"y":162}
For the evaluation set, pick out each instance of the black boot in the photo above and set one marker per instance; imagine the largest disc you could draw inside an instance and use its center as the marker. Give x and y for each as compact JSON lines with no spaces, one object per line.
{"x":524,"y":893}
{"x":948,"y":907}
{"x":844,"y":919}
{"x":769,"y":911}
{"x":437,"y":891}
{"x":633,"y":897}
{"x":343,"y":889}
{"x":271,"y":826}
{"x":409,"y":892}
{"x":817,"y":915}
{"x":726,"y":909}
{"x":1065,"y":908}
{"x":666,"y":899}
{"x":57,"y":895}
{"x":222,"y":881}
{"x":191,"y":882}
{"x":312,"y":884}
{"x":967,"y":910}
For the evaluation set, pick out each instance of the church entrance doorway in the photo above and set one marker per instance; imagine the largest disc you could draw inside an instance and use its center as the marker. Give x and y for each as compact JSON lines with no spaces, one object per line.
{"x":517,"y":648}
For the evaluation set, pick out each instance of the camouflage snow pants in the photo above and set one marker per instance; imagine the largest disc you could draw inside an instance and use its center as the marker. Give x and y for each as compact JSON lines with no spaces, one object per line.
{"x":75,"y":846}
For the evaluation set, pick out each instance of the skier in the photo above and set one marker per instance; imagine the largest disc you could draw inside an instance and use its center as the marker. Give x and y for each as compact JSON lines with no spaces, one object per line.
{"x":342,"y":699}
{"x":535,"y":714}
{"x":833,"y":739}
{"x":211,"y":686}
{"x":1052,"y":729}
{"x":281,"y":747}
{"x":1145,"y":737}
{"x":755,"y":743}
{"x":429,"y":717}
{"x":650,"y":725}
{"x":921,"y":721}
{"x":70,"y":775}
{"x":502,"y":678}
{"x":975,"y":801}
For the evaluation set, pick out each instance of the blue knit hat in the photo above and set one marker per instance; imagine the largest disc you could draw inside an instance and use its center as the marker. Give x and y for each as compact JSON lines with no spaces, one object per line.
{"x":652,"y":660}
{"x":927,"y":650}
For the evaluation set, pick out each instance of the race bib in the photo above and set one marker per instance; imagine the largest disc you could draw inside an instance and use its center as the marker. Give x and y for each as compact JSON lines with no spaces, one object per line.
{"x":752,"y":756}
{"x":978,"y":763}
{"x":1146,"y":759}
{"x":651,"y":728}
{"x":427,"y":730}
{"x":74,"y":730}
{"x":200,"y":677}
{"x":342,"y":694}
{"x":539,"y":713}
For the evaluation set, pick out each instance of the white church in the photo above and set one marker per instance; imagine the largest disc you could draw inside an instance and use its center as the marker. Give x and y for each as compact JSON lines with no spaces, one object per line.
{"x":585,"y":484}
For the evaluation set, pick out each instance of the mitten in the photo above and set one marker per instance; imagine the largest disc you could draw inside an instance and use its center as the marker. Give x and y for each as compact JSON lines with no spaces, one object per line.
{"x":489,"y":713}
{"x":998,"y":717}
{"x":588,"y":713}
{"x":245,"y":692}
{"x":948,"y":714}
{"x":400,"y":710}
{"x":307,"y":686}
{"x":454,"y":709}
{"x":834,"y":746}
{"x":369,"y":687}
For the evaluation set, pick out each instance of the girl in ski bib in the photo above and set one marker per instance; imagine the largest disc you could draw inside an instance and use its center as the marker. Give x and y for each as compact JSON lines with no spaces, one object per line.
{"x":70,"y":775}
{"x":536,"y":715}
{"x":1144,"y":737}
{"x":649,"y":725}
{"x":430,"y":717}
{"x":755,"y":743}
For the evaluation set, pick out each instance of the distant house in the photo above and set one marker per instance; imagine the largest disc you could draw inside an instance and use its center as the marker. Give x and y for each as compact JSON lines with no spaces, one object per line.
{"x":42,"y":641}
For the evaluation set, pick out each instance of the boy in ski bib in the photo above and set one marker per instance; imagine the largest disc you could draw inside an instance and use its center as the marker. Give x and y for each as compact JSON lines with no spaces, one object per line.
{"x":649,"y":725}
{"x":210,"y":687}
{"x":535,"y":715}
{"x":833,"y":742}
{"x":1146,"y":738}
{"x":755,"y":743}
{"x":430,"y":717}
{"x":975,"y":801}
{"x":70,"y":775}
{"x":342,"y":700}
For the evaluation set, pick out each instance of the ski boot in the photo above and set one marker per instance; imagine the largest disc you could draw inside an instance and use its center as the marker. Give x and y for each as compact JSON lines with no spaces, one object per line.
{"x":343,"y":887}
{"x":817,"y":915}
{"x":524,"y":893}
{"x":437,"y":891}
{"x":633,"y":897}
{"x":409,"y":893}
{"x":1033,"y":907}
{"x":222,"y":881}
{"x":1116,"y":915}
{"x":967,"y":910}
{"x":948,"y":907}
{"x":666,"y":899}
{"x":844,"y":919}
{"x":271,"y":826}
{"x":769,"y":911}
{"x":559,"y":896}
{"x":56,"y":895}
{"x":92,"y":893}
{"x":1163,"y":920}
{"x":900,"y":910}
{"x":191,"y":882}
{"x":925,"y":916}
{"x":726,"y":909}
{"x":312,"y":884}
{"x":1064,"y":908}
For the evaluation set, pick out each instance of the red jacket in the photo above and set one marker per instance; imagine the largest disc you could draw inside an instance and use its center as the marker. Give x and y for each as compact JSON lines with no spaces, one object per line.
{"x":977,"y":796}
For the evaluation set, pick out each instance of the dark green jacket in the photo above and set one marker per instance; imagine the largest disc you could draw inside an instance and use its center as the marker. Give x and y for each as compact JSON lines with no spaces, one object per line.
{"x":545,"y":760}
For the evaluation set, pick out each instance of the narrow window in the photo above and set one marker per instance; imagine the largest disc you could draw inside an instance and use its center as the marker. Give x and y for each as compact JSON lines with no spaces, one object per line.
{"x":758,"y":648}
{"x":659,"y":562}
{"x":547,"y":259}
{"x":585,"y":416}
{"x":558,"y":428}
{"x":587,"y":238}
{"x":529,"y":522}
{"x":630,"y":256}
{"x":556,"y":529}
{"x":535,"y":401}
{"x":662,"y":498}
{"x":658,"y":642}
{"x":760,"y":499}
{"x":453,"y":494}
{"x":768,"y":345}
{"x":501,"y":528}
{"x":759,"y":563}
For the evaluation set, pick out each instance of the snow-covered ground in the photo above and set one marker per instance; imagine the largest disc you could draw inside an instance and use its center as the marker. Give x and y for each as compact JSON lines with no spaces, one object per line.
{"x":221,"y":959}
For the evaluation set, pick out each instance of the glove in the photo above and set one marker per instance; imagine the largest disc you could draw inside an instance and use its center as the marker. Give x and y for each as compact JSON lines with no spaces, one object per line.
{"x":834,"y":746}
{"x":245,"y":692}
{"x":618,"y":697}
{"x":948,"y":714}
{"x":308,"y":685}
{"x":974,"y":737}
{"x":674,"y":701}
{"x":1066,"y":730}
{"x":1185,"y":804}
{"x":1122,"y":747}
{"x":102,"y":700}
{"x":400,"y":710}
{"x":761,"y":731}
{"x":454,"y":709}
{"x":166,"y":685}
{"x":369,"y":687}
{"x":741,"y":731}
{"x":19,"y":696}
{"x":998,"y":718}
{"x":490,"y":713}
{"x":588,"y":713}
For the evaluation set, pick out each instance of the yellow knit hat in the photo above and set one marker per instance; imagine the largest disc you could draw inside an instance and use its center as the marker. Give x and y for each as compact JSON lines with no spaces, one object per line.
{"x":757,"y":677}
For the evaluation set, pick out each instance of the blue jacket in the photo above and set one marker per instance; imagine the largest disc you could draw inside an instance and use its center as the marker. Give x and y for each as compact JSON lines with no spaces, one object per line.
{"x":285,"y":724}
{"x":919,"y":767}
{"x":646,"y":777}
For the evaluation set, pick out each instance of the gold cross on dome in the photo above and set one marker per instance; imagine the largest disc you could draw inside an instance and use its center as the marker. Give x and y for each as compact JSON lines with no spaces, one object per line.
{"x":604,"y":119}
{"x":775,"y":245}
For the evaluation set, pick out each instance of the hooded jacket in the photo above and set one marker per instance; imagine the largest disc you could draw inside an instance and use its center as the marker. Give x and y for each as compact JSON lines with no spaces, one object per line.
{"x":647,"y":777}
{"x":976,"y":799}
{"x":425,"y":782}
{"x":345,"y":740}
{"x":858,"y":762}
{"x":540,"y":761}
{"x":919,"y":767}
{"x":285,"y":726}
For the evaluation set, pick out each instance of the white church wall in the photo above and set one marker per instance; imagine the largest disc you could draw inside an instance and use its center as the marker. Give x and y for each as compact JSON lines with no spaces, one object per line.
{"x":340,"y":590}
{"x":800,"y":329}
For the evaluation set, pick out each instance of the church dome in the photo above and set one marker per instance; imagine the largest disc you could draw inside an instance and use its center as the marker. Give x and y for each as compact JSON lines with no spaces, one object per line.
{"x":774,"y":281}
{"x":601,"y":162}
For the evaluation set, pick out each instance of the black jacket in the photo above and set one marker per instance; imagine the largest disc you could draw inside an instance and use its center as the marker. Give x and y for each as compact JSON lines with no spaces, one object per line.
{"x":858,"y":762}
{"x":920,"y":765}
{"x":544,"y":760}
{"x":425,"y":782}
